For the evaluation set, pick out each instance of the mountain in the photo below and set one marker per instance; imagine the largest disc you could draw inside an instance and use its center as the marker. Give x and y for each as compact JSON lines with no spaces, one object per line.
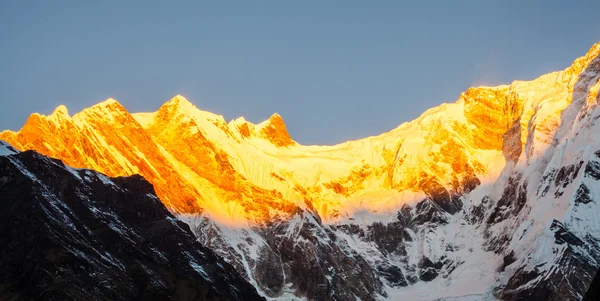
{"x":75,"y":234}
{"x":493,"y":196}
{"x":593,"y":292}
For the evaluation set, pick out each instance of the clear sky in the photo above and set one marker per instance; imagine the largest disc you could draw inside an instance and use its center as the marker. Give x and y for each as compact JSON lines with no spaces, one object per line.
{"x":335,"y":70}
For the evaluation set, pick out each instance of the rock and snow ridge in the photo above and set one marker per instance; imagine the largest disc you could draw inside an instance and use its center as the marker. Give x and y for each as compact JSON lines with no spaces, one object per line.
{"x":72,"y":234}
{"x":493,"y":196}
{"x":6,"y":149}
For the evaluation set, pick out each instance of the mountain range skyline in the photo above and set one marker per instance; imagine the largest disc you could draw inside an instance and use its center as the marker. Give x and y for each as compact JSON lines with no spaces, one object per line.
{"x":299,"y":151}
{"x":336,"y":72}
{"x":494,"y":196}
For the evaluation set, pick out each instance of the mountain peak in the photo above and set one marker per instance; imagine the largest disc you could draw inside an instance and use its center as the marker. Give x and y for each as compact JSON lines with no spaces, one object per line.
{"x":109,"y":101}
{"x":244,"y":127}
{"x":110,"y":109}
{"x":180,"y":106}
{"x":180,"y":102}
{"x":177,"y":105}
{"x":276,"y":118}
{"x":60,"y":111}
{"x":110,"y":104}
{"x":238,"y":121}
{"x":274,"y":130}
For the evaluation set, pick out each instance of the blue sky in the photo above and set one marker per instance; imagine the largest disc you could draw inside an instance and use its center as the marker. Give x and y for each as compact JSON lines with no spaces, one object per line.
{"x":335,"y":70}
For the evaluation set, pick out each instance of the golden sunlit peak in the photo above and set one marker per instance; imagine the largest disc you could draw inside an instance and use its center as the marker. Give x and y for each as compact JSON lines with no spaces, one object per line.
{"x":179,"y":98}
{"x":274,"y":120}
{"x":277,"y":121}
{"x":275,"y":130}
{"x":178,"y":101}
{"x":275,"y":116}
{"x":60,"y":111}
{"x":109,"y":107}
{"x":239,"y":120}
{"x":108,"y":102}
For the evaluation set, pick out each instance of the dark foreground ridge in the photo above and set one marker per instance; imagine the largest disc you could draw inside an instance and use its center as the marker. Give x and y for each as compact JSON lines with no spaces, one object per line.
{"x":593,"y":293}
{"x":78,"y":235}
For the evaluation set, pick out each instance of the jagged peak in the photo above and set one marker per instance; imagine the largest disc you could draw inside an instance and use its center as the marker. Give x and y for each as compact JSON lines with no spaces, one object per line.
{"x":10,"y":140}
{"x":108,"y":109}
{"x":244,"y":127}
{"x":178,"y":101}
{"x":593,"y":52}
{"x":482,"y":92}
{"x":239,"y":121}
{"x":581,"y":63}
{"x":61,"y":110}
{"x":108,"y":102}
{"x":275,"y":120}
{"x":275,"y":130}
{"x":179,"y":105}
{"x":8,"y":135}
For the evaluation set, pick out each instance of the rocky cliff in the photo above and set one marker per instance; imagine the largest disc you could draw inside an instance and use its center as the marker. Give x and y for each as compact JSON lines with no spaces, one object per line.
{"x":75,"y":234}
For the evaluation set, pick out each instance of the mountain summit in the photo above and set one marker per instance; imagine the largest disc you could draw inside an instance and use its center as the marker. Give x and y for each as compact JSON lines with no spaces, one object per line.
{"x":492,"y":195}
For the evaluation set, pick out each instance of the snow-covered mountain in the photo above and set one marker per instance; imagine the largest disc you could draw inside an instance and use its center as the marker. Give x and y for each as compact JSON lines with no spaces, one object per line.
{"x":75,"y":234}
{"x":493,"y":196}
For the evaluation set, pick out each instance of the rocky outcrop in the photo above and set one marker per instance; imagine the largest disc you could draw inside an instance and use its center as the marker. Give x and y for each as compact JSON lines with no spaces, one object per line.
{"x":275,"y":131}
{"x":77,"y":234}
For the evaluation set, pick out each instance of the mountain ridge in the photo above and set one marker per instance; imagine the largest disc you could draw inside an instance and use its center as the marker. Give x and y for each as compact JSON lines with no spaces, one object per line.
{"x":77,"y":234}
{"x":496,"y":181}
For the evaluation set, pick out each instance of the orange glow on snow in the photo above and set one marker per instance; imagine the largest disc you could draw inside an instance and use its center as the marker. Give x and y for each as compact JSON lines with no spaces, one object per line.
{"x":238,"y":172}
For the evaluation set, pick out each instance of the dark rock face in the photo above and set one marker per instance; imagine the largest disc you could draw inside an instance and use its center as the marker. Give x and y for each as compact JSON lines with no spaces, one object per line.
{"x":444,"y":198}
{"x":573,"y":269}
{"x":317,"y":261}
{"x":583,"y":195}
{"x":478,"y":212}
{"x":511,"y":146}
{"x":566,"y":174}
{"x":593,"y":292}
{"x":512,"y":201}
{"x":592,"y":170}
{"x":429,"y":270}
{"x":388,"y":237}
{"x":565,"y":177}
{"x":318,"y":267}
{"x":302,"y":258}
{"x":392,"y":274}
{"x":79,"y":235}
{"x":507,"y":260}
{"x":429,"y":212}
